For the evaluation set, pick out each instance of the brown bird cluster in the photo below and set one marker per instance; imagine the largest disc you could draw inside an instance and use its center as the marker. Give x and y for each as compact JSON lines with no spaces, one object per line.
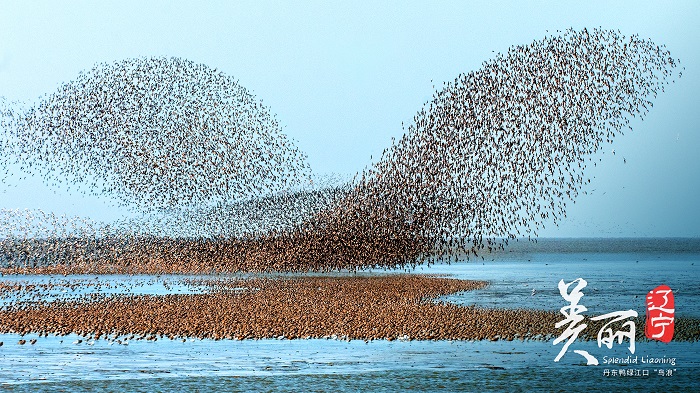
{"x":394,"y":307}
{"x":493,"y":156}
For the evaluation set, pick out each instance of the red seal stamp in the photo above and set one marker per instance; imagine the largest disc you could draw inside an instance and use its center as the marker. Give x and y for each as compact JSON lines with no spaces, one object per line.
{"x":660,"y":314}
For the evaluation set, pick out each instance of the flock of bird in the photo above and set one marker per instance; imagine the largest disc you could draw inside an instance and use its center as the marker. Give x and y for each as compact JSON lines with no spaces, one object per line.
{"x":391,"y":307}
{"x":125,"y":309}
{"x":495,"y":155}
{"x":156,"y":133}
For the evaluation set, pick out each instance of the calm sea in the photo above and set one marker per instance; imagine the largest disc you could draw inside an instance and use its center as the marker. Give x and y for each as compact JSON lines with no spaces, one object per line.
{"x":619,"y":273}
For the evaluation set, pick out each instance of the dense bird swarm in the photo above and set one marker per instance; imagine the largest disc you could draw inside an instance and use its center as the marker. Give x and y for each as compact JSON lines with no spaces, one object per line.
{"x":494,"y":155}
{"x":158,"y":132}
{"x":391,"y":307}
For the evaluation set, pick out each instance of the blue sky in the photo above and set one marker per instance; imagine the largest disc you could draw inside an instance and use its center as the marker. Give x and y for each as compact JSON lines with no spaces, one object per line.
{"x":342,"y":77}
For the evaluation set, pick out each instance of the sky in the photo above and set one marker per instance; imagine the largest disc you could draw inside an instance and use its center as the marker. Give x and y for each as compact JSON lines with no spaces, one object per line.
{"x":342,"y":77}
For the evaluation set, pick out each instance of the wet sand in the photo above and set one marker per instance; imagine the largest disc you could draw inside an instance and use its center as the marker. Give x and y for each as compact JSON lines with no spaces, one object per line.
{"x":391,"y":307}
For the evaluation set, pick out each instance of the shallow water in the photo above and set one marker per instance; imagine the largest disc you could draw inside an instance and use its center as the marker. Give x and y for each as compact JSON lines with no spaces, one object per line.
{"x":618,"y":279}
{"x":320,"y":365}
{"x":291,"y":365}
